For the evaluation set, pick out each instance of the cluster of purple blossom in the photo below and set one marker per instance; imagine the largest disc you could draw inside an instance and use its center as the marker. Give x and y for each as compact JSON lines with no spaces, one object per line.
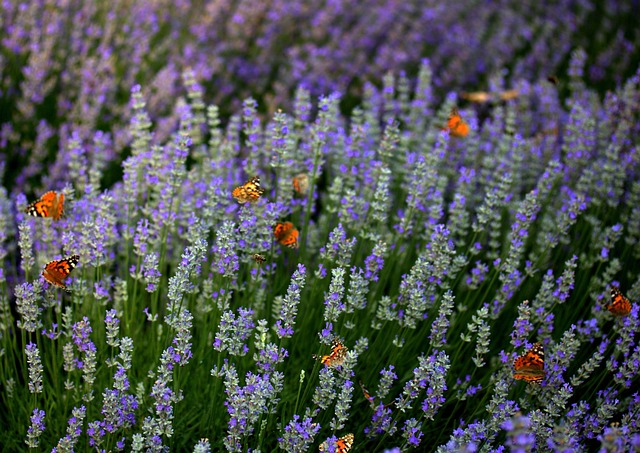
{"x":66,"y":66}
{"x":416,"y":248}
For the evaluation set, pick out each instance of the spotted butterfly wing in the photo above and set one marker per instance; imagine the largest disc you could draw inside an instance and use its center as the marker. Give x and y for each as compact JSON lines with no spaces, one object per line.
{"x":56,"y":271}
{"x":619,"y":305}
{"x":342,"y":445}
{"x":286,"y":234}
{"x":51,"y":204}
{"x":530,"y":366}
{"x":249,"y":192}
{"x":336,"y":356}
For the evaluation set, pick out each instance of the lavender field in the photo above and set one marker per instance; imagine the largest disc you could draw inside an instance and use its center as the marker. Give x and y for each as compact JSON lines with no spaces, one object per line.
{"x":370,"y":226}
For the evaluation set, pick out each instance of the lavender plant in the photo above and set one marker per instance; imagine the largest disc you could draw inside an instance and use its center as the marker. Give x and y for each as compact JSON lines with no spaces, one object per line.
{"x":427,"y":262}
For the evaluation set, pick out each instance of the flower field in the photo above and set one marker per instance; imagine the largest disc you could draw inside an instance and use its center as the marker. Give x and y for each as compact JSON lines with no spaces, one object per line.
{"x":369,"y":226}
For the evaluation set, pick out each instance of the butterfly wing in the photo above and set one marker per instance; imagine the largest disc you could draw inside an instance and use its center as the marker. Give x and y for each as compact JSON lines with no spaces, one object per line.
{"x":457,"y":127}
{"x":619,"y":304}
{"x":301,"y":183}
{"x":50,"y":204}
{"x":56,"y":271}
{"x":337,"y":355}
{"x":343,"y":444}
{"x":530,"y":366}
{"x":286,"y":234}
{"x":249,"y":192}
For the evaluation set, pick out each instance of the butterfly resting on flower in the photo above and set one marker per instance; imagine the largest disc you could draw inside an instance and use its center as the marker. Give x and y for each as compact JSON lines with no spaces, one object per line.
{"x":57,"y":270}
{"x":530,"y":366}
{"x":619,"y":305}
{"x":337,"y":355}
{"x":342,"y":445}
{"x":249,"y":192}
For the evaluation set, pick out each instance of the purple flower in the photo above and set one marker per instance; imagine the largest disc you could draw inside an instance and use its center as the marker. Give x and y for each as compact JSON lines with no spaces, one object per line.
{"x":298,"y":436}
{"x":519,"y":435}
{"x":234,"y":331}
{"x":36,"y":429}
{"x":287,"y":317}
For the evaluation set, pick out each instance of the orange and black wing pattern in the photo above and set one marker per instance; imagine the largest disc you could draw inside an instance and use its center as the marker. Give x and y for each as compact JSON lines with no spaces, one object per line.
{"x":286,"y":234}
{"x":530,"y":366}
{"x":56,"y":271}
{"x":619,"y":305}
{"x":336,"y":356}
{"x":343,"y":444}
{"x":51,"y":204}
{"x":249,"y":192}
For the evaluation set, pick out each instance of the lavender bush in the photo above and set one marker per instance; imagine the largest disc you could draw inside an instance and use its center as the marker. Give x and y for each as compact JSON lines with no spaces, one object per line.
{"x":434,"y":260}
{"x":67,"y":66}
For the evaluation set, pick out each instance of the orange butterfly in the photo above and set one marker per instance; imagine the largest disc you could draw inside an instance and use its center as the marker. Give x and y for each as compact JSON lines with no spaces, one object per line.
{"x":476,"y":96}
{"x":530,"y":366}
{"x":249,"y":191}
{"x":301,"y":183}
{"x":286,"y":234}
{"x":509,"y":94}
{"x":456,"y":126}
{"x":51,"y":204}
{"x":56,"y":271}
{"x":258,"y":258}
{"x":367,"y":395}
{"x":336,"y":356}
{"x":370,"y":398}
{"x":619,"y":305}
{"x":343,"y":445}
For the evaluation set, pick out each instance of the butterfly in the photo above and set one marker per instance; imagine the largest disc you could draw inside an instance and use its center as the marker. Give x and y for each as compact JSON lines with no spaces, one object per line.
{"x":258,"y":258}
{"x":476,"y":96}
{"x":56,"y":271}
{"x":619,"y":305}
{"x":301,"y":183}
{"x":51,"y":204}
{"x":343,"y":444}
{"x":370,"y":398}
{"x":530,"y":366}
{"x":286,"y":234}
{"x":509,"y":94}
{"x":336,"y":356}
{"x":456,"y":126}
{"x":250,"y":191}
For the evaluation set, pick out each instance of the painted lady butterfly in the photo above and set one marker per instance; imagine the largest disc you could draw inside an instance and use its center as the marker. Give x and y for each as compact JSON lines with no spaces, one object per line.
{"x":370,"y":398}
{"x":56,"y":271}
{"x":286,"y":234}
{"x":343,"y":445}
{"x":476,"y":96}
{"x":336,"y":356}
{"x":301,"y":183}
{"x":456,"y":126}
{"x":530,"y":366}
{"x":249,"y":192}
{"x":258,"y":258}
{"x":619,"y":305}
{"x":51,"y":204}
